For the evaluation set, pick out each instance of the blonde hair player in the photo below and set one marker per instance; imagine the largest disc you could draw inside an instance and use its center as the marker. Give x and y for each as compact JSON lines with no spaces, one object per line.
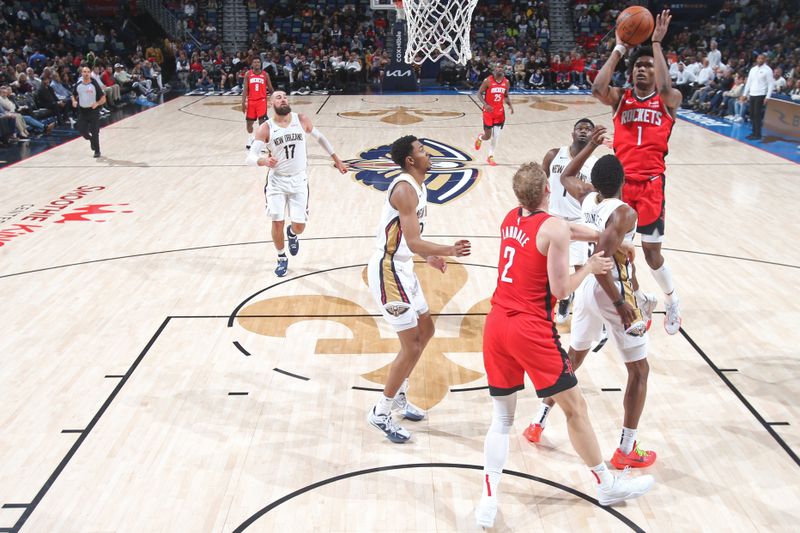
{"x":520,"y":338}
{"x":284,"y":135}
{"x":395,"y":286}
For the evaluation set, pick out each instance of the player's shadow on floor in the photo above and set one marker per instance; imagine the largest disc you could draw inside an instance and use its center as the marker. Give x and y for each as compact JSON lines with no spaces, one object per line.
{"x":121,"y":162}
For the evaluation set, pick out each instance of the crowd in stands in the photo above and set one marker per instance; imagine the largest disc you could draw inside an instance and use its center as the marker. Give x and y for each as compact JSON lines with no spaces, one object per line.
{"x":42,"y":51}
{"x":341,"y":44}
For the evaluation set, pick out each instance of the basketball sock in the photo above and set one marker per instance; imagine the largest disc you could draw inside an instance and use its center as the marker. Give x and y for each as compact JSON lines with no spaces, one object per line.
{"x":626,"y":440}
{"x":603,"y":476}
{"x":282,"y":252}
{"x":495,"y":446}
{"x":495,"y":135}
{"x":384,"y":405}
{"x":289,"y":231}
{"x":403,"y":388}
{"x":541,"y":416}
{"x":663,"y":277}
{"x":251,"y":139}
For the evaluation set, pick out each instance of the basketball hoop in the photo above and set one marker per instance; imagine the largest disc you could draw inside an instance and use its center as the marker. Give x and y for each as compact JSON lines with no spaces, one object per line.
{"x":437,"y":29}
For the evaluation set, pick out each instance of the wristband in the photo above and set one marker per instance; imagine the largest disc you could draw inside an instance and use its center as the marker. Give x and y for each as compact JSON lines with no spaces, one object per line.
{"x":622,"y":49}
{"x":619,"y":303}
{"x":654,"y":42}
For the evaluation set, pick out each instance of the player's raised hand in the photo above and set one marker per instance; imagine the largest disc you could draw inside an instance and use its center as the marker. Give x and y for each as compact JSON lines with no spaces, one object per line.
{"x":437,"y":262}
{"x":662,"y":24}
{"x":598,"y":264}
{"x":598,"y":136}
{"x":461,"y":248}
{"x":620,"y":41}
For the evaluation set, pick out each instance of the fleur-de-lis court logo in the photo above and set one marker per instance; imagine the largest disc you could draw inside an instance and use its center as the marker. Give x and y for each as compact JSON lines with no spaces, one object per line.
{"x":450,"y":176}
{"x":435,"y":373}
{"x":401,"y":115}
{"x":554,"y":104}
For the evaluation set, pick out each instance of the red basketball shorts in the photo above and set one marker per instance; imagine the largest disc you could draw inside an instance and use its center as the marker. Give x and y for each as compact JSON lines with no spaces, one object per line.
{"x":494,"y":118}
{"x":256,"y":109}
{"x":519,"y":344}
{"x":647,"y":199}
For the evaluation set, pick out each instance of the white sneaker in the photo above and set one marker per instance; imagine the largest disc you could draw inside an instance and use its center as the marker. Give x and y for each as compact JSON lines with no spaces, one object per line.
{"x":625,"y":487}
{"x":389,"y":427}
{"x":486,"y":511}
{"x":408,"y":409}
{"x":672,"y":320}
{"x":647,"y":304}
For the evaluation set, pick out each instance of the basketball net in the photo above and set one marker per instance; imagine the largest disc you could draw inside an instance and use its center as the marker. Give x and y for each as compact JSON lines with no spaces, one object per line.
{"x":437,"y":29}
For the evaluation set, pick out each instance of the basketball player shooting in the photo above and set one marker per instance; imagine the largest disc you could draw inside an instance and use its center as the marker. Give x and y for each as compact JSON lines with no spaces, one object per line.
{"x":287,"y":184}
{"x":493,"y":95}
{"x":255,"y":97}
{"x":643,"y":121}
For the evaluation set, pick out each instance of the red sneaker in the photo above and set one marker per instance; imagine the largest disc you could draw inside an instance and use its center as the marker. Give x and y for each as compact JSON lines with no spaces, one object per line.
{"x":638,"y":458}
{"x":491,"y":162}
{"x":533,"y":433}
{"x":478,"y":142}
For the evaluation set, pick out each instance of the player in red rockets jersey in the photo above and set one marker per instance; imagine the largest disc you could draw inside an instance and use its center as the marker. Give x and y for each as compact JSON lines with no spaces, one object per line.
{"x":520,"y":338}
{"x":643,"y":120}
{"x":493,"y":94}
{"x":256,"y":89}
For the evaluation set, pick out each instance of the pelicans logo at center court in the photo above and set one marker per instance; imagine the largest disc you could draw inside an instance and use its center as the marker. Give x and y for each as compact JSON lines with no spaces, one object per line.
{"x":450,"y":175}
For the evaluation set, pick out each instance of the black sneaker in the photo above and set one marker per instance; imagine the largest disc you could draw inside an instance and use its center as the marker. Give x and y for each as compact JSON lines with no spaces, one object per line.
{"x":97,"y":153}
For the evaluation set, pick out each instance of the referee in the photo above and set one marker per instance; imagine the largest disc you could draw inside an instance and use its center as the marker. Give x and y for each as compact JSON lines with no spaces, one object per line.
{"x":87,"y":97}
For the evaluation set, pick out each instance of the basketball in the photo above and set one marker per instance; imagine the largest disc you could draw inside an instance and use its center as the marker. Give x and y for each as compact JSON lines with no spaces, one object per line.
{"x":635,"y":25}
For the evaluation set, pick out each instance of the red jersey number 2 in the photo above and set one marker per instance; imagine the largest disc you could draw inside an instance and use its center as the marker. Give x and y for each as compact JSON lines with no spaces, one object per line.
{"x":508,"y":254}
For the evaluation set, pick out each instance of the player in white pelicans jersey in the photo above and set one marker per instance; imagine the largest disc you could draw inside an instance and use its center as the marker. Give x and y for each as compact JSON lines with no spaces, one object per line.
{"x":284,"y":135}
{"x":612,"y":299}
{"x":562,"y":204}
{"x":395,"y":287}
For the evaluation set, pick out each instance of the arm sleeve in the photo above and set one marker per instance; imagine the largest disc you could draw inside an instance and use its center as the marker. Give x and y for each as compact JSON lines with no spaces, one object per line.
{"x":254,"y":153}
{"x":325,"y":143}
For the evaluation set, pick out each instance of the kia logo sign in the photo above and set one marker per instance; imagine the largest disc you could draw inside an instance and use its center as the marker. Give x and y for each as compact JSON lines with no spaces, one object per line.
{"x":398,"y":73}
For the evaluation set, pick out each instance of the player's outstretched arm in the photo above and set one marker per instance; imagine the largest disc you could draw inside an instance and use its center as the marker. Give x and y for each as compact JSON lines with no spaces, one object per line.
{"x":323,"y":141}
{"x":671,"y":97}
{"x":576,"y":187}
{"x":621,"y":221}
{"x":601,"y":87}
{"x":254,"y":155}
{"x":404,"y":199}
{"x":555,"y":234}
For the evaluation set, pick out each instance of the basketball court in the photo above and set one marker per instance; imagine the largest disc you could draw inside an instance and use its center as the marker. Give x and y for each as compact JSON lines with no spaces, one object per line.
{"x":157,"y":376}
